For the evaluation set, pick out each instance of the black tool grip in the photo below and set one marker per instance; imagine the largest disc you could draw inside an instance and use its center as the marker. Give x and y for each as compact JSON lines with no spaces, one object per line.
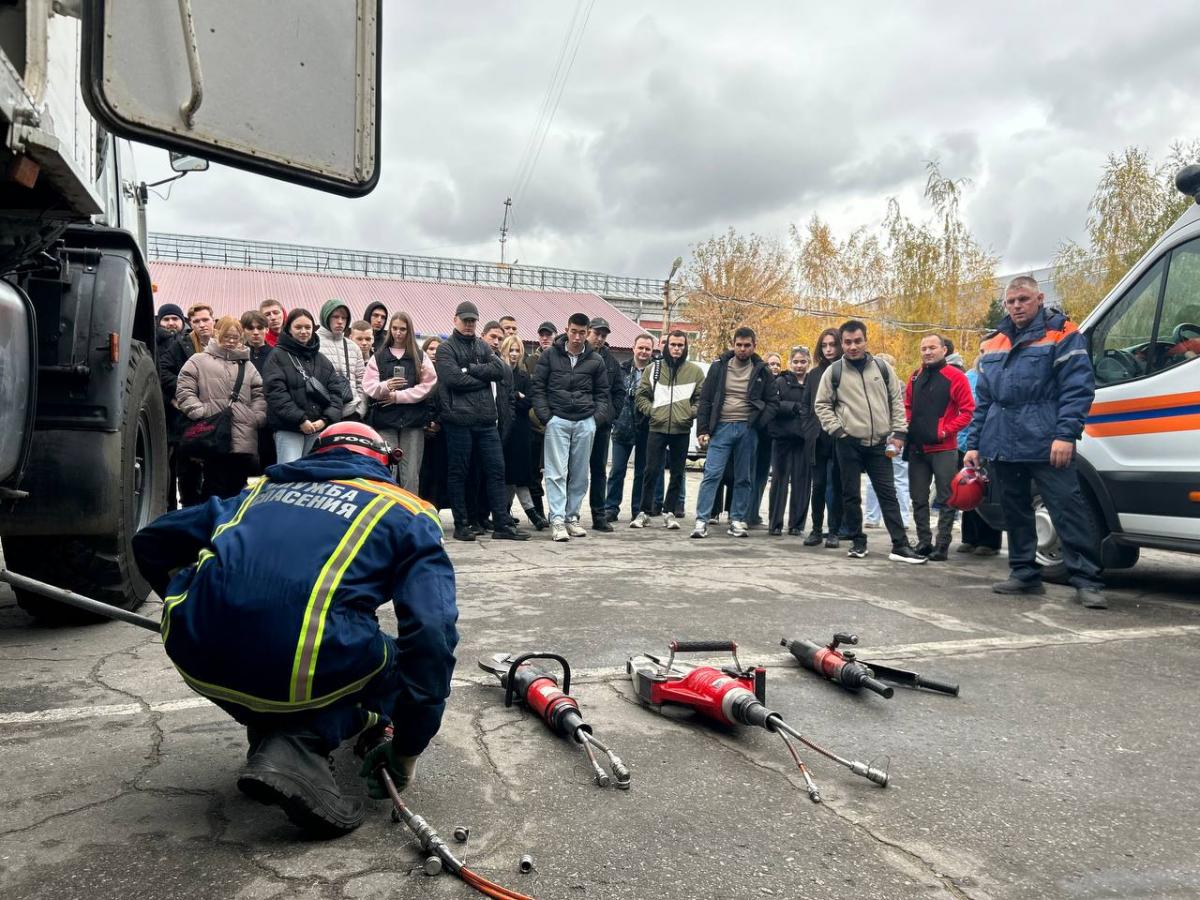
{"x":872,"y":684}
{"x":702,"y":646}
{"x":933,"y":684}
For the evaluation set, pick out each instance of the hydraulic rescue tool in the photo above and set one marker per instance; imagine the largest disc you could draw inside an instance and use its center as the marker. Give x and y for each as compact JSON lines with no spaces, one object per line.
{"x":540,"y":692}
{"x":731,"y":695}
{"x":844,"y":668}
{"x":431,"y":842}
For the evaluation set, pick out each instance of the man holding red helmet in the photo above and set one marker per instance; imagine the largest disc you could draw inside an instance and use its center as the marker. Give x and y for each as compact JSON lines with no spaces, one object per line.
{"x":938,"y":405}
{"x":270,"y":613}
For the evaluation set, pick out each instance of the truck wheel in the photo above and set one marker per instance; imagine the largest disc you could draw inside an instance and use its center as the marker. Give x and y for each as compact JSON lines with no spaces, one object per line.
{"x":1049,"y":547}
{"x":102,"y":567}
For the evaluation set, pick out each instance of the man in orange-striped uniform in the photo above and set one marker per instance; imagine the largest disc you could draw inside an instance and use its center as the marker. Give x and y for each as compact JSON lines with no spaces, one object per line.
{"x":1034,"y":391}
{"x":272,"y":617}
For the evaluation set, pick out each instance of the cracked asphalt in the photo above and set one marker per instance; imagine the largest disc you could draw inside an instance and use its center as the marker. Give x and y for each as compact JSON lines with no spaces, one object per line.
{"x":1067,"y":767}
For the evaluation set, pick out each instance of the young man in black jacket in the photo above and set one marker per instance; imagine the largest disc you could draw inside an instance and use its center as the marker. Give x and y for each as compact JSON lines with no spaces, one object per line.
{"x":472,"y":392}
{"x":630,"y":432}
{"x":597,"y":338}
{"x":571,"y":397}
{"x":738,"y":397}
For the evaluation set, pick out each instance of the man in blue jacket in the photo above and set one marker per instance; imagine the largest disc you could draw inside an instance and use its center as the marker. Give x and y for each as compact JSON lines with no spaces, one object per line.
{"x":1034,"y":391}
{"x":272,"y":617}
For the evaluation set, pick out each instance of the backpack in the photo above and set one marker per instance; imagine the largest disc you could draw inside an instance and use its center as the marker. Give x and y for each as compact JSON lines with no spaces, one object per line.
{"x":835,"y":377}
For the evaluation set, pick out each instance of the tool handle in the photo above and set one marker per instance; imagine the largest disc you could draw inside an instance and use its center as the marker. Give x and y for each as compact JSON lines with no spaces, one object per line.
{"x":524,"y":658}
{"x":934,"y":684}
{"x":702,"y":646}
{"x":873,"y":684}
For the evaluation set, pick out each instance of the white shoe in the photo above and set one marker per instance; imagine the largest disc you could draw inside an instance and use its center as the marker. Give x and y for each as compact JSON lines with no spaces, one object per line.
{"x":671,"y":523}
{"x":639,"y":521}
{"x":574,"y":529}
{"x":701,"y":529}
{"x":738,"y":529}
{"x":558,"y":532}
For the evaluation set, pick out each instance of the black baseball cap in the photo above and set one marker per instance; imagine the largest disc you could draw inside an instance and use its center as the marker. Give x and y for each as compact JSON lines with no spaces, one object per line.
{"x":547,"y":326}
{"x":598,"y":324}
{"x":467,"y":310}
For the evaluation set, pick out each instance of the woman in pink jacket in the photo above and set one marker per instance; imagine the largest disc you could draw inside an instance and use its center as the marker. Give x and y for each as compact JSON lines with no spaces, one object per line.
{"x":397,"y":382}
{"x":204,"y":388}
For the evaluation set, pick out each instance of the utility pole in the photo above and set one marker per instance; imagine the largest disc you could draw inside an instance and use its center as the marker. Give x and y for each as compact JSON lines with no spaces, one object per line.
{"x":666,"y":316}
{"x":504,"y":227}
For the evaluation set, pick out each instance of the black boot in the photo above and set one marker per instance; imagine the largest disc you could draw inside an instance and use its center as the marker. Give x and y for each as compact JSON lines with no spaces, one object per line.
{"x":536,"y":518}
{"x":600,"y":521}
{"x":290,"y":771}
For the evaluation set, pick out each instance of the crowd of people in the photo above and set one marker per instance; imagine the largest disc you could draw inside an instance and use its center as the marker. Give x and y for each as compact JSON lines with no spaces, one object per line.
{"x":482,"y":421}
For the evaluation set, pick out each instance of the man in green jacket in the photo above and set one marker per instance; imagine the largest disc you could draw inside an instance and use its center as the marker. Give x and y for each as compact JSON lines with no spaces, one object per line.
{"x":668,"y":395}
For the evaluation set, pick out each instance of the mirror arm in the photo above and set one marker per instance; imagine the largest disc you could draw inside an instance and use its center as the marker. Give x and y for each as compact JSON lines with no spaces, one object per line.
{"x":166,"y":180}
{"x":189,"y":108}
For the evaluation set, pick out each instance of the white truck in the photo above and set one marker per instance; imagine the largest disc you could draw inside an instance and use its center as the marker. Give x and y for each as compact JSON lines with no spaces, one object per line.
{"x":288,"y":90}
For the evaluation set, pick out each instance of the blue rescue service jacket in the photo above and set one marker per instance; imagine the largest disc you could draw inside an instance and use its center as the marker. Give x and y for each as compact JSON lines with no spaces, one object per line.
{"x":275,"y":610}
{"x":1034,"y":387}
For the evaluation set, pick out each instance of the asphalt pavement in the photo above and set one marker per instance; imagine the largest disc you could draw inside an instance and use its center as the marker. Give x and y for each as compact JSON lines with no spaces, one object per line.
{"x":1067,"y":767}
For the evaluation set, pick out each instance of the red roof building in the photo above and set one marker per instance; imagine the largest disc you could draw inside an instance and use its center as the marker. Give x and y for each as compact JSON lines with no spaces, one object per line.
{"x":232,"y":291}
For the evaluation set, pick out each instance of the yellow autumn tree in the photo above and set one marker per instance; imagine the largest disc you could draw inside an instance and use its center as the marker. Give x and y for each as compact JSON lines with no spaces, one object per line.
{"x":1134,"y":202}
{"x":736,"y":280}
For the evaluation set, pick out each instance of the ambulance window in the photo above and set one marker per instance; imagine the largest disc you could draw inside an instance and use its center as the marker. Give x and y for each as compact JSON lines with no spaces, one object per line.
{"x":1179,"y":325}
{"x":1123,"y":341}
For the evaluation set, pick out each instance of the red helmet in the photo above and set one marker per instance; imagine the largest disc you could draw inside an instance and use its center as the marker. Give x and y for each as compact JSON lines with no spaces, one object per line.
{"x":967,"y":489}
{"x":357,"y":438}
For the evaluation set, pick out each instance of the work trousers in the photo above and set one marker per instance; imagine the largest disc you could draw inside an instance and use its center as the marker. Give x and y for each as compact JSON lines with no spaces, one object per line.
{"x":939,"y":467}
{"x":475,"y":447}
{"x":790,"y":474}
{"x":731,"y":443}
{"x":856,"y":459}
{"x":1059,"y":490}
{"x":621,"y":452}
{"x":568,"y":451}
{"x":826,"y":475}
{"x":598,"y":466}
{"x":673,"y":448}
{"x":412,"y":442}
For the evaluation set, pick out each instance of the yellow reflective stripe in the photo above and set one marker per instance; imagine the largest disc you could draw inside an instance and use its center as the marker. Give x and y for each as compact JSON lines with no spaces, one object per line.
{"x":237,"y":519}
{"x":261,"y":704}
{"x":169,"y":603}
{"x":409,"y":501}
{"x":304,"y":663}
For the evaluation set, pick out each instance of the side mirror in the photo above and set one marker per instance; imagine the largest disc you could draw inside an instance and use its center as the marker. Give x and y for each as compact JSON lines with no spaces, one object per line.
{"x":289,"y":90}
{"x":181,"y":162}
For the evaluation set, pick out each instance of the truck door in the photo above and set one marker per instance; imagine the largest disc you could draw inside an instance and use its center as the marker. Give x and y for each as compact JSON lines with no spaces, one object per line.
{"x":1143,"y":432}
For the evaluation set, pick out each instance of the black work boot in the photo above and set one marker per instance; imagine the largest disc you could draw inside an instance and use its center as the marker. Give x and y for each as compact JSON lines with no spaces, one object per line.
{"x":536,"y":518}
{"x":600,"y":521}
{"x":290,"y":771}
{"x":1091,"y":597}
{"x":1017,"y":586}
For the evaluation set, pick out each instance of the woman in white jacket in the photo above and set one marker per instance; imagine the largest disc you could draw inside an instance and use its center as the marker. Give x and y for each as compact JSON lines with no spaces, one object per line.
{"x":397,"y":382}
{"x":337,"y":347}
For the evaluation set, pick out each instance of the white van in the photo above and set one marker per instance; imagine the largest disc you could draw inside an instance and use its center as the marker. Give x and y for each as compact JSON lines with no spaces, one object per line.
{"x":1139,"y":459}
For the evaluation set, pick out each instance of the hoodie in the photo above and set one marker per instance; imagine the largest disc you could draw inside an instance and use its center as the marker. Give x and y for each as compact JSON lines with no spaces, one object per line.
{"x":345,"y":356}
{"x":381,"y":334}
{"x":669,"y":392}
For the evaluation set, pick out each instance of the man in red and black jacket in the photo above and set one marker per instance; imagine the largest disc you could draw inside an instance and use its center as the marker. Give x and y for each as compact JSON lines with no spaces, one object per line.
{"x":938,"y":405}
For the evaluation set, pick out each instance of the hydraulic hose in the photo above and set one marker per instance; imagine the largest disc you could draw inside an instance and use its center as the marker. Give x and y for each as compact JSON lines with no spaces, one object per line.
{"x":432,"y":843}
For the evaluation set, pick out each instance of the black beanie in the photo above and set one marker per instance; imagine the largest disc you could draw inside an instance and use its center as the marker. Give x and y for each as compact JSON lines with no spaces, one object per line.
{"x":170,"y":309}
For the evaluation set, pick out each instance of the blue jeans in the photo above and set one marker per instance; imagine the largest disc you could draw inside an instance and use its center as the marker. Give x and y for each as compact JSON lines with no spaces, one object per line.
{"x":734,"y":440}
{"x":568,"y":450}
{"x":1059,"y":489}
{"x":291,"y":445}
{"x":873,"y":514}
{"x":616,"y":476}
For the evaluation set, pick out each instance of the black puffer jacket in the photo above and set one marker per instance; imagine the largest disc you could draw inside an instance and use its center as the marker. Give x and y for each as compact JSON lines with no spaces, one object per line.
{"x":793,"y":418}
{"x":466,"y":368}
{"x":616,"y":384}
{"x":760,"y":395}
{"x":570,"y":393}
{"x":288,"y":401}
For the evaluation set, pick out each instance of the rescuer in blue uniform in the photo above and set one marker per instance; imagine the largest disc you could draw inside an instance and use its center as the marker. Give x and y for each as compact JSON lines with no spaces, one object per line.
{"x":273,"y":619}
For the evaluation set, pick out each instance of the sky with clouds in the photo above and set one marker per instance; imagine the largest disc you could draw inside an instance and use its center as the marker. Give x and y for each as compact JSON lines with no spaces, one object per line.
{"x":682,"y":119}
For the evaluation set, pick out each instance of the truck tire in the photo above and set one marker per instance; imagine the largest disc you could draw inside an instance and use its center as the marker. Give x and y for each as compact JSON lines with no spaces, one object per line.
{"x":102,"y":567}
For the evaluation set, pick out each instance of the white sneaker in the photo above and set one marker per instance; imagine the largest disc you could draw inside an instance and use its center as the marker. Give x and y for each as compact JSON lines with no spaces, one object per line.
{"x":574,"y":529}
{"x":639,"y":521}
{"x":671,"y":523}
{"x":738,"y":529}
{"x":558,"y":532}
{"x":701,"y":529}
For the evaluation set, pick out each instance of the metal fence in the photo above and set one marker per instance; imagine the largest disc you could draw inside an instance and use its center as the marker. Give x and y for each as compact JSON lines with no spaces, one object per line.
{"x":368,"y":264}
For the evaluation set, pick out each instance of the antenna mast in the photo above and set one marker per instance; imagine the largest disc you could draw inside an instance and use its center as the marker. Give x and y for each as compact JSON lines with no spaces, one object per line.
{"x":504,"y":227}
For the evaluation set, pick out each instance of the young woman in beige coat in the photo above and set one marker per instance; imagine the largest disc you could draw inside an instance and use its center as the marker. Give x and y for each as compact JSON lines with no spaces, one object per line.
{"x":203,"y":389}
